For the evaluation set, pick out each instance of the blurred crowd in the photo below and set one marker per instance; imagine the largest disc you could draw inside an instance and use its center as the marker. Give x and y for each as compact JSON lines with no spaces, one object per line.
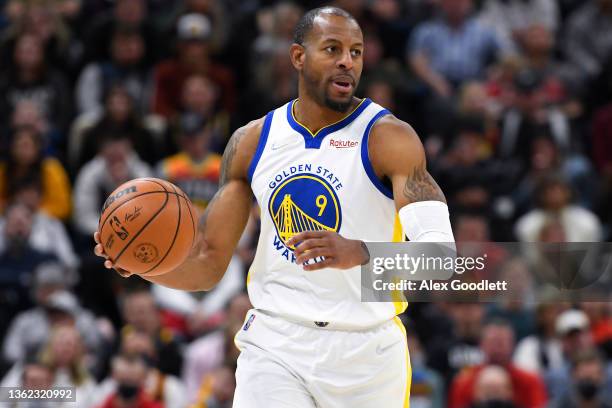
{"x":511,"y":98}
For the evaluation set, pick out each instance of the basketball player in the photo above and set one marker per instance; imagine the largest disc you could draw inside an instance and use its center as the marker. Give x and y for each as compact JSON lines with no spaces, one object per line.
{"x":329,"y":172}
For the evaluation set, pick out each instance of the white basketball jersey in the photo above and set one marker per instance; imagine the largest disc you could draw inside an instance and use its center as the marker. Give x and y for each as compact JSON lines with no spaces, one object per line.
{"x":322,"y":181}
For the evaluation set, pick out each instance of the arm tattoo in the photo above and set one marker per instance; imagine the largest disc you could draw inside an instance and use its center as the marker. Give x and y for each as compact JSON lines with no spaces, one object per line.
{"x":204,"y":217}
{"x":420,"y":186}
{"x":228,"y":155}
{"x":226,"y":166}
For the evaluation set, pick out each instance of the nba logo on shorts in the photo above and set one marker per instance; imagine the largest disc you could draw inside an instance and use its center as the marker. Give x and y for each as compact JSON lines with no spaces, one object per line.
{"x":248,"y":323}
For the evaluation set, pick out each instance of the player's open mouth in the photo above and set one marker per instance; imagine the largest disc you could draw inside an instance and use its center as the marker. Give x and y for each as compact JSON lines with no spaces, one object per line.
{"x":342,"y":86}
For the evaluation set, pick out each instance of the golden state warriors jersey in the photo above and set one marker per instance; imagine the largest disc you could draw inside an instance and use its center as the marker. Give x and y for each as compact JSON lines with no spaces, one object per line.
{"x":318,"y":182}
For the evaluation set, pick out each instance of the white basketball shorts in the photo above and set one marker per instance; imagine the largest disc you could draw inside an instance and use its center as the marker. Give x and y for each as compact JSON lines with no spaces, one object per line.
{"x":285,"y":364}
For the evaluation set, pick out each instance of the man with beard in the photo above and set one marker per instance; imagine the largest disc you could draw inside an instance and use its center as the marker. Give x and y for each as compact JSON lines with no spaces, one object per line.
{"x":329,"y":172}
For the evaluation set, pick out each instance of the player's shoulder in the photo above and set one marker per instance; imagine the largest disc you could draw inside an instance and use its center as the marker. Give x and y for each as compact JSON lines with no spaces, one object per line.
{"x":243,"y":145}
{"x":391,"y":135}
{"x":246,"y":137}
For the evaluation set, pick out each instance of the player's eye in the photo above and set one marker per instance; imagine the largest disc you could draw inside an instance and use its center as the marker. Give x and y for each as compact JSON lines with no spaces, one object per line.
{"x":331,"y":49}
{"x":356,"y":53}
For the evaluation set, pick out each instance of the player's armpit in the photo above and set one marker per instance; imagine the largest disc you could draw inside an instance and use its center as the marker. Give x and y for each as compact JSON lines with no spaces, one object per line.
{"x":224,"y":220}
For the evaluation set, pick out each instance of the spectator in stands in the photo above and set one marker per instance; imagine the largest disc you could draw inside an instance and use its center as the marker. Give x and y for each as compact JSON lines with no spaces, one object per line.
{"x":274,"y":83}
{"x":541,"y":351}
{"x":194,"y":169}
{"x":216,"y":11}
{"x":193,"y":57}
{"x":129,"y":373}
{"x":573,"y":329}
{"x":531,"y":112}
{"x":276,"y":31}
{"x":538,"y":50}
{"x":25,"y":165}
{"x":546,"y":158}
{"x":601,"y":139}
{"x":497,"y":345}
{"x":201,"y":97}
{"x":65,"y":355}
{"x":512,"y":18}
{"x":55,"y":305}
{"x":453,"y":49}
{"x":126,"y":67}
{"x":31,"y":375}
{"x":450,"y":355}
{"x":160,"y":387}
{"x":208,"y":353}
{"x":31,"y":78}
{"x":589,"y":388}
{"x":493,"y":388}
{"x":427,"y":388}
{"x":125,"y":13}
{"x":17,"y":263}
{"x":141,"y":314}
{"x":469,"y":179}
{"x":515,"y":305}
{"x":600,"y":316}
{"x":554,"y":200}
{"x":28,"y":114}
{"x":115,"y":164}
{"x":119,"y":117}
{"x":217,"y":388}
{"x":587,"y":45}
{"x":48,"y":233}
{"x":42,"y":19}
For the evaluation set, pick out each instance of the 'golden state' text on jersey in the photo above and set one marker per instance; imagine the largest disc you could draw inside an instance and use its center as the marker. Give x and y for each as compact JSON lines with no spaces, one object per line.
{"x":318,"y":182}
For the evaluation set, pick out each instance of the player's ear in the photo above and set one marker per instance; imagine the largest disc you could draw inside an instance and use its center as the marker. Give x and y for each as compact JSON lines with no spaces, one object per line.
{"x":297,"y":53}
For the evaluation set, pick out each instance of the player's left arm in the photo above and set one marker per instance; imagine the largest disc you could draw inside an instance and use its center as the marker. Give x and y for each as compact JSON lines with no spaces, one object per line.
{"x":396,"y":154}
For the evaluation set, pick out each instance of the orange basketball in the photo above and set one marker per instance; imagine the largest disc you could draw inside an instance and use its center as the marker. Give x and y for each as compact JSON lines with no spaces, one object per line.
{"x":147,"y":226}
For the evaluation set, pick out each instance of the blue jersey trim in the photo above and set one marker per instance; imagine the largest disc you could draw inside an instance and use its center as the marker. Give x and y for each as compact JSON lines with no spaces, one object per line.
{"x":365,"y":156}
{"x":314,"y":140}
{"x":263,"y":137}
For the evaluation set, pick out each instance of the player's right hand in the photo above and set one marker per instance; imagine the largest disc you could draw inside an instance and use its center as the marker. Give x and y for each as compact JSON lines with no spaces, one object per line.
{"x":99,"y":251}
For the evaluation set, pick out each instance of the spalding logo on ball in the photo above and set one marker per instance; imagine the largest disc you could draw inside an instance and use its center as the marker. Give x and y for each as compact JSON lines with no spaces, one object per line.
{"x":147,"y":226}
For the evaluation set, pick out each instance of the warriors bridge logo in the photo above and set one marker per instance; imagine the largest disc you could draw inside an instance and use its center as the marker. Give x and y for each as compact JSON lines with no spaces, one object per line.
{"x":303,"y":202}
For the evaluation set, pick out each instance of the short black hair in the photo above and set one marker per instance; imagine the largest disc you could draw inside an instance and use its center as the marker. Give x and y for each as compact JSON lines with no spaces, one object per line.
{"x":305,"y":24}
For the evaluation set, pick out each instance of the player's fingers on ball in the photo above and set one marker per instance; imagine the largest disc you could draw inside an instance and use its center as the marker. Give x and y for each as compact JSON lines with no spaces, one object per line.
{"x":99,"y":250}
{"x":326,"y":263}
{"x":123,"y":272}
{"x":97,"y":237}
{"x":108,"y":264}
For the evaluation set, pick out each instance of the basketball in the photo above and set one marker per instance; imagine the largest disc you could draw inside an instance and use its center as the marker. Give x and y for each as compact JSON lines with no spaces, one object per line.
{"x":147,"y":226}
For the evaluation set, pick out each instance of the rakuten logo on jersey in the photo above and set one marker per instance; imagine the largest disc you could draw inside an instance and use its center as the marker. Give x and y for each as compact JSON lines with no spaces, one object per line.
{"x":342,"y":144}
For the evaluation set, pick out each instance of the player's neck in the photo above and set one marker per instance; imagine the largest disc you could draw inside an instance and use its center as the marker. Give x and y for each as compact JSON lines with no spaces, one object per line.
{"x":314,"y":116}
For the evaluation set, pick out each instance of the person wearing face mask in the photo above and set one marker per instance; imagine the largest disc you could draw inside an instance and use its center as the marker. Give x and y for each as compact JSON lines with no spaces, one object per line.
{"x":589,"y":388}
{"x":129,"y":373}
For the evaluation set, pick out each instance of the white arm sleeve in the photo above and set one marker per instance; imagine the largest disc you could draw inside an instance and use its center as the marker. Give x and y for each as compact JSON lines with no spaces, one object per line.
{"x":427,"y":221}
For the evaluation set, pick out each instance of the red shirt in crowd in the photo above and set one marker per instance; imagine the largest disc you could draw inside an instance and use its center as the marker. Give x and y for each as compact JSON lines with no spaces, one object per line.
{"x":143,"y":402}
{"x":170,"y":77}
{"x":529,"y":389}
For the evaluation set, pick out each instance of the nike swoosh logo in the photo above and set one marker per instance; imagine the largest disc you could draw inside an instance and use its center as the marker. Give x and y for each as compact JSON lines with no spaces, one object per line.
{"x":381,"y":350}
{"x":276,"y":147}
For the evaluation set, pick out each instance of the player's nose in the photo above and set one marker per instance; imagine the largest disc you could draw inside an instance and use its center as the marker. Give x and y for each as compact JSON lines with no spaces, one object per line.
{"x":345,"y":61}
